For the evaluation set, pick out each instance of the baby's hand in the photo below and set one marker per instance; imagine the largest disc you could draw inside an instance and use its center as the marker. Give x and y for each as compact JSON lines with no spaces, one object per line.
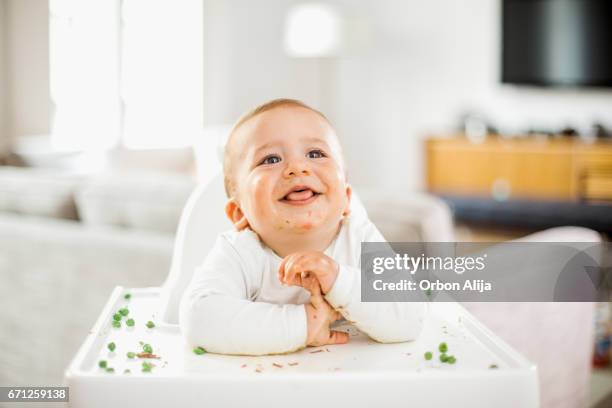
{"x":296,"y":268}
{"x":320,"y":315}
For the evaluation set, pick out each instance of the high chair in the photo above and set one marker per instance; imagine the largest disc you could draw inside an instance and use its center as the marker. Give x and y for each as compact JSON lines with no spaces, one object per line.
{"x":362,"y":373}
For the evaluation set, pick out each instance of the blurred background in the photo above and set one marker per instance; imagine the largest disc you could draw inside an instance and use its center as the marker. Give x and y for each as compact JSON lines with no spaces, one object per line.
{"x":476,"y":120}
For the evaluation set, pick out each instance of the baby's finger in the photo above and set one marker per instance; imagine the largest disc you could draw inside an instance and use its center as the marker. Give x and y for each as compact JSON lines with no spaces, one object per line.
{"x":289,"y":270}
{"x":281,"y":269}
{"x":312,"y":285}
{"x":297,"y":280}
{"x":338,"y":337}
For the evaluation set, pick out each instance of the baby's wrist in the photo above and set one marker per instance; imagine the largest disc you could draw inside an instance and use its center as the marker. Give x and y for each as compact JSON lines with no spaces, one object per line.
{"x":309,"y":324}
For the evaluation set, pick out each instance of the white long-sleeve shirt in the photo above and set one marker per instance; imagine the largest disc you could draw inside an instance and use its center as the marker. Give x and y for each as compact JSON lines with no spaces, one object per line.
{"x":235,"y":303}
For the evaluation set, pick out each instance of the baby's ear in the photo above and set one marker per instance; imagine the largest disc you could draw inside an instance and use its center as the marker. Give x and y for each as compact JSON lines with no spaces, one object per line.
{"x":349,"y":193}
{"x":235,"y":215}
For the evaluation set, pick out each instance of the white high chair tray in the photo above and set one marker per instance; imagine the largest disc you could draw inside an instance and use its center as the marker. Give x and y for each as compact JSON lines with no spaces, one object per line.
{"x":362,"y":373}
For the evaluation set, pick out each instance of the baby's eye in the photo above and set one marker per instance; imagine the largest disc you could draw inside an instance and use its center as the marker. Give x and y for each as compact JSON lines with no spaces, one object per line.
{"x":315,"y":154}
{"x":272,"y":159}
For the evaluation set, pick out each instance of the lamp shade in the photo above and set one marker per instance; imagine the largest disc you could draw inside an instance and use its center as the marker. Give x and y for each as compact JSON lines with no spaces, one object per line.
{"x":312,"y":30}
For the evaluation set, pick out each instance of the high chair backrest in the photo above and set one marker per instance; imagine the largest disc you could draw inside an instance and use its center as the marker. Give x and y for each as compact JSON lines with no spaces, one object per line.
{"x":202,"y":220}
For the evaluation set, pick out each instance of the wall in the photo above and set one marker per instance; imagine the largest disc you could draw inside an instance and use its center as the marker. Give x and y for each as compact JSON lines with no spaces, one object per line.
{"x":27,"y":67}
{"x":244,"y":62}
{"x":3,"y":136}
{"x":427,"y":64}
{"x":409,"y":68}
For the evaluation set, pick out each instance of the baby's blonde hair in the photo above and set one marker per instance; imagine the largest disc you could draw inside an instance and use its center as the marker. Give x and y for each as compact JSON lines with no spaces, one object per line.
{"x":273,"y":104}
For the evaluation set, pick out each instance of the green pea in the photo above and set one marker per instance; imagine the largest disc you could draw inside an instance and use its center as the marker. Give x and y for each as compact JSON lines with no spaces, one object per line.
{"x":116,"y":324}
{"x":150,"y":324}
{"x":131,"y":354}
{"x":443,"y":358}
{"x":199,"y":350}
{"x":443,"y":348}
{"x":102,"y":363}
{"x":111,"y":346}
{"x":147,"y":348}
{"x":117,"y":317}
{"x":110,"y":370}
{"x":127,"y":296}
{"x":428,"y":355}
{"x":146,"y":367}
{"x":451,"y":360}
{"x":124,"y":311}
{"x":130,"y":322}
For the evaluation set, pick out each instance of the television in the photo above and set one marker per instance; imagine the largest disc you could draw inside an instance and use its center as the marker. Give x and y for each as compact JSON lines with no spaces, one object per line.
{"x":557,"y":42}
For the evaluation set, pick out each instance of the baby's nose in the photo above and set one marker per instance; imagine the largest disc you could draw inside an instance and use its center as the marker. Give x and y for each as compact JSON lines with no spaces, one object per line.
{"x":296,"y":168}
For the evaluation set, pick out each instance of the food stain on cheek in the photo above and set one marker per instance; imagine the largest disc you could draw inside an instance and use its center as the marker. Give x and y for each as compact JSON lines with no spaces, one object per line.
{"x":281,"y":226}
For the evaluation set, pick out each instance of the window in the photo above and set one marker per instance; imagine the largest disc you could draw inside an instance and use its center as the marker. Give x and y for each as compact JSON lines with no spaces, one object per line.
{"x":126,"y":72}
{"x":84,"y":74}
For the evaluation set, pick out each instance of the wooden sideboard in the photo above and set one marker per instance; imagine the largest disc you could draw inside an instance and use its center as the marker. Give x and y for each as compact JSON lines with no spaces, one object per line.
{"x":551,"y":168}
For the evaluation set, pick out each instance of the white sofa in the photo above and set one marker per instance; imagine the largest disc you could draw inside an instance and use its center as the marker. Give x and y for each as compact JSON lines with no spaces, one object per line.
{"x":65,"y":242}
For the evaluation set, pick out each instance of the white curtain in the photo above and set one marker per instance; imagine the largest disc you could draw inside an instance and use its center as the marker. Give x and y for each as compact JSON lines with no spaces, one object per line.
{"x":84,"y":73}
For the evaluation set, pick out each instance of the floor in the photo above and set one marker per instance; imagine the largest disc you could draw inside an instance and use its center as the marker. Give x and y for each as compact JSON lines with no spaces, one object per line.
{"x":601,"y":379}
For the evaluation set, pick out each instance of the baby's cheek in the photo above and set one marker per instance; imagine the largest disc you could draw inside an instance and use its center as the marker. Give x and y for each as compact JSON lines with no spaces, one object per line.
{"x":260,"y":194}
{"x":316,"y":216}
{"x":335,"y":175}
{"x":259,"y":203}
{"x":259,"y":185}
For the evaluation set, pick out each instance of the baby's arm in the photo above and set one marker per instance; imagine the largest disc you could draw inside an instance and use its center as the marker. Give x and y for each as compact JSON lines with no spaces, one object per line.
{"x":217,"y":312}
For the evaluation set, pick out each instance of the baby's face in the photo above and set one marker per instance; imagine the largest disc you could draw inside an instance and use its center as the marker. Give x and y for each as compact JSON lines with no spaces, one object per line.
{"x":288,"y":173}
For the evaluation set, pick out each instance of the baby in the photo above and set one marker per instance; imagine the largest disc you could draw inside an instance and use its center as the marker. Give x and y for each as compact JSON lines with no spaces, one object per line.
{"x":291,"y":267}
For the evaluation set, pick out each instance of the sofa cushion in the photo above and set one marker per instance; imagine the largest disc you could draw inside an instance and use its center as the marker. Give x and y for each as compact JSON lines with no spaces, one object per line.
{"x":39,"y":192}
{"x":148,"y":201}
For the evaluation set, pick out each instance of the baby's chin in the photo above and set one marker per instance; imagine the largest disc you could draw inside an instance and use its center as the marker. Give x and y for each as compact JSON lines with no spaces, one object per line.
{"x":304,"y":223}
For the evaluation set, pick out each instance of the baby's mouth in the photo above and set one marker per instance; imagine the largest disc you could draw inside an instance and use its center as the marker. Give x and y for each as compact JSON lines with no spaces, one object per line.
{"x":300,"y":194}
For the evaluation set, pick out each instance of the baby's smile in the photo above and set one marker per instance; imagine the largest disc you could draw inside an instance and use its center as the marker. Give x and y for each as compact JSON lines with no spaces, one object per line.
{"x":300,"y":195}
